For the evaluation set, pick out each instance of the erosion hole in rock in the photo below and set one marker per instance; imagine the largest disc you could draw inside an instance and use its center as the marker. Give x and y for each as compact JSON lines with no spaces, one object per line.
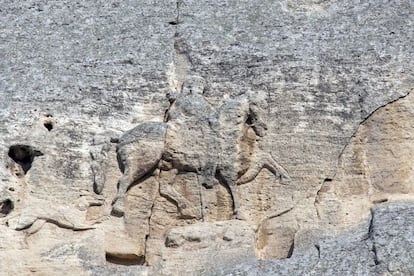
{"x":23,"y":155}
{"x":6,"y":207}
{"x":48,"y":125}
{"x":250,"y":119}
{"x":125,"y":259}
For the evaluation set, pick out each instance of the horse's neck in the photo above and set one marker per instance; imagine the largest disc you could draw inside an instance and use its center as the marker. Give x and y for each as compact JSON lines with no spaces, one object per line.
{"x":235,"y":111}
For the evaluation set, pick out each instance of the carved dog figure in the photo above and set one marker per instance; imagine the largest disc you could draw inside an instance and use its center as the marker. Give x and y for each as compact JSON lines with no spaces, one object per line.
{"x":35,"y":213}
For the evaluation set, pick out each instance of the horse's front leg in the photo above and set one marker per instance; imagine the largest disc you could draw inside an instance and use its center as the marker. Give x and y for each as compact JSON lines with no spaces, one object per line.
{"x":260,"y":161}
{"x":118,"y":208}
{"x":271,"y":164}
{"x":237,"y":213}
{"x":167,"y":190}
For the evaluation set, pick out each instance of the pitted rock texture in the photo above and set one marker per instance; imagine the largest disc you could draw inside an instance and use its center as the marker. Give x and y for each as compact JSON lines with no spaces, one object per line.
{"x":380,"y":245}
{"x":139,"y":135}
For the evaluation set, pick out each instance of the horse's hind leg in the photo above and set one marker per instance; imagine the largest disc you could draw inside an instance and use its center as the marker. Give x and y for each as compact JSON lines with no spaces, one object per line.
{"x":235,"y":200}
{"x":237,"y":214}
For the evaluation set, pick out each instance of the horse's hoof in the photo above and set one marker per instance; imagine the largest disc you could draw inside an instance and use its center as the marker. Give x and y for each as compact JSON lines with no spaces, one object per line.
{"x":208,"y":185}
{"x":117,"y":209}
{"x":239,"y":215}
{"x":285,"y":181}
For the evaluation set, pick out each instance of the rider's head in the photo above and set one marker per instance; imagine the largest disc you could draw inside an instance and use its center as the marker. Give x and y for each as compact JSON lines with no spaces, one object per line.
{"x":259,"y":99}
{"x":194,"y":85}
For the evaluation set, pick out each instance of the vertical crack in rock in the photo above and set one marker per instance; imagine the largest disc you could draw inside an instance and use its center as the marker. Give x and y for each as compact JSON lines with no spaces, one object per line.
{"x":181,"y":60}
{"x":370,"y":236}
{"x":318,"y":248}
{"x":147,"y":237}
{"x":321,"y":188}
{"x":314,"y":266}
{"x":291,"y":249}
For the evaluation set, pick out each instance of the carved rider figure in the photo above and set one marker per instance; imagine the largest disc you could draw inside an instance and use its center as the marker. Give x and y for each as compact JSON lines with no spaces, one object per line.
{"x":191,"y":142}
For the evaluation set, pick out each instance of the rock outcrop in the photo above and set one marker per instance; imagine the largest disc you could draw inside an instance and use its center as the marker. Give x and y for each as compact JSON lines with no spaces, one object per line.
{"x":381,"y":245}
{"x":205,"y":137}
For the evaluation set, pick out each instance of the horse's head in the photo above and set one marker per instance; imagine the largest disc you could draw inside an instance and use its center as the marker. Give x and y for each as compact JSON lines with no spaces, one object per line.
{"x":258,"y":108}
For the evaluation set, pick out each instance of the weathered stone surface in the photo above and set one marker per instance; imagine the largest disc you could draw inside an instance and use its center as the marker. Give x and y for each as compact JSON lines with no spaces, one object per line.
{"x":381,"y":245}
{"x":137,"y":136}
{"x":222,"y":243}
{"x":375,"y":167}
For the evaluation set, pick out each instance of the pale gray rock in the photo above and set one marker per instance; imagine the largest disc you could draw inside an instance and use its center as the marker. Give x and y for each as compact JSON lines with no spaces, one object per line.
{"x":391,"y":233}
{"x":382,"y":245}
{"x":128,"y":126}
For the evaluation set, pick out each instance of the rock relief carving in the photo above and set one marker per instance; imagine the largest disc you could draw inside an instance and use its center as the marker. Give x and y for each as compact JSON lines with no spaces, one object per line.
{"x":20,"y":210}
{"x":139,"y":151}
{"x":216,"y":145}
{"x":99,"y":154}
{"x":70,"y":216}
{"x":220,"y":145}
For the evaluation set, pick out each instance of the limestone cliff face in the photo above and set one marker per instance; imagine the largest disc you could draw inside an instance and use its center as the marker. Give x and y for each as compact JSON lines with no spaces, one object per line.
{"x":375,"y":167}
{"x":206,"y":137}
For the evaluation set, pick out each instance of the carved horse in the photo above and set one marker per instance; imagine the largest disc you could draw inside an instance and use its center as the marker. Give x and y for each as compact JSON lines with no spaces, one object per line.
{"x":219,"y":145}
{"x":142,"y":150}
